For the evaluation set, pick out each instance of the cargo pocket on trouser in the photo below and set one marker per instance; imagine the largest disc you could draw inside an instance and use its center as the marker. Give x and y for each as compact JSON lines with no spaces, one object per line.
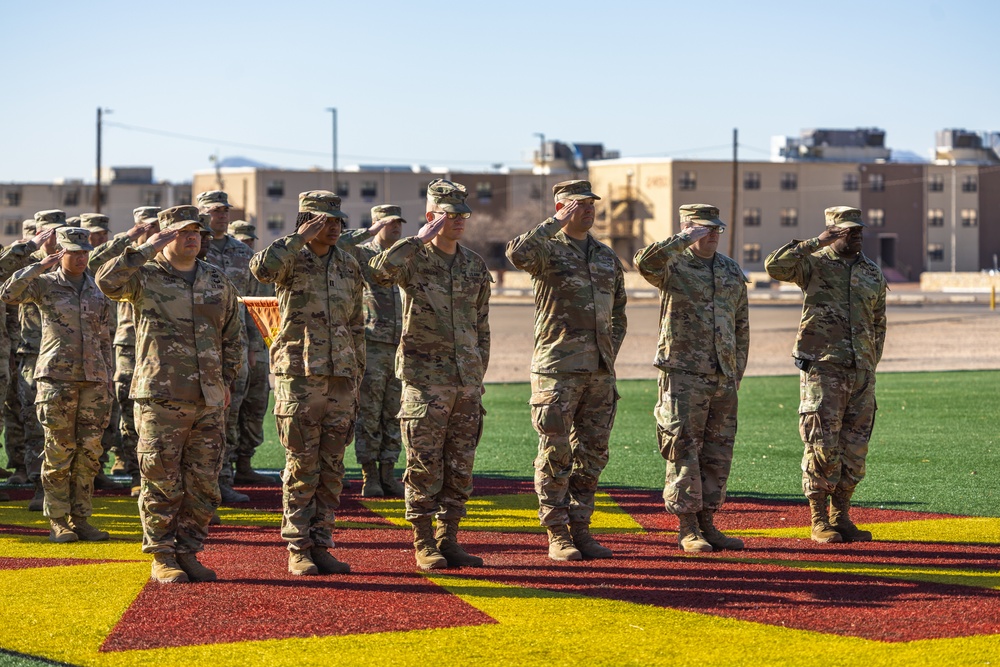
{"x":671,"y":441}
{"x":546,"y":414}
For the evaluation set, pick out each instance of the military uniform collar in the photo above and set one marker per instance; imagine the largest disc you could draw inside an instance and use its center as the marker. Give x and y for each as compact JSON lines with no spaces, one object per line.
{"x":66,"y":282}
{"x":440,"y":263}
{"x":165,"y":265}
{"x":566,"y":239}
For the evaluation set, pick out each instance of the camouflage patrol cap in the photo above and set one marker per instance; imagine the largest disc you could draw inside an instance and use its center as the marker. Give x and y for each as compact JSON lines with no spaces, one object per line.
{"x":94,"y":222}
{"x":179,"y":217}
{"x":53,"y":219}
{"x":29,"y":228}
{"x":145,"y":214}
{"x":243,"y":230}
{"x":73,"y":221}
{"x":843,"y":216}
{"x":573,"y":190}
{"x":321,"y":201}
{"x":705,"y":215}
{"x":448,"y":196}
{"x":213,"y":199}
{"x":388,"y":212}
{"x":73,"y":238}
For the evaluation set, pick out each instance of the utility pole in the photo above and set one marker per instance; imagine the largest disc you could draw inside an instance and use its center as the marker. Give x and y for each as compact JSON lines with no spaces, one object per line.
{"x":336,"y":185}
{"x":954,"y":217}
{"x":541,"y":171}
{"x":732,"y":217}
{"x":97,"y":190}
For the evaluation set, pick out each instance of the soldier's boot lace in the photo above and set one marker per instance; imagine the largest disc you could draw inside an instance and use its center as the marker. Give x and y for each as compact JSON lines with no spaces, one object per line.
{"x":86,"y":532}
{"x":245,"y":474}
{"x":714,"y":536}
{"x":37,"y":502}
{"x":371,"y":487}
{"x":390,"y":485}
{"x":136,"y":486}
{"x":585,"y":543}
{"x":426,"y":550}
{"x":231,"y":495}
{"x":326,"y":563}
{"x":689,"y":537}
{"x":60,"y":531}
{"x":194,"y":569}
{"x":561,"y":545}
{"x":840,"y":519}
{"x":447,"y":543}
{"x":167,"y":571}
{"x":300,"y":563}
{"x":822,"y":531}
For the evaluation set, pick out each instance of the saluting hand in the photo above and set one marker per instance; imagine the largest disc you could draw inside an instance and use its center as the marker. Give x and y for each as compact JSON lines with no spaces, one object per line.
{"x":159,"y":240}
{"x":51,"y":260}
{"x":41,"y":237}
{"x":567,"y":211}
{"x":694,"y":232}
{"x":311,"y":228}
{"x":432,"y":228}
{"x":831,"y":234}
{"x":139,"y":229}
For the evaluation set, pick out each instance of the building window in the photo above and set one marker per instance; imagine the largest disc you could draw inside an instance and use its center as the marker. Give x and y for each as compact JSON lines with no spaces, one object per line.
{"x":343,"y":189}
{"x":751,"y":253}
{"x":12,"y":227}
{"x":789,"y":217}
{"x":751,"y":217}
{"x":276,"y":189}
{"x":71,"y":198}
{"x":151,"y":198}
{"x":751,"y":180}
{"x":536,"y":192}
{"x":935,"y":218}
{"x":12,"y":197}
{"x":789,"y":181}
{"x":183,"y":198}
{"x":422,"y":191}
{"x":369,"y":190}
{"x":935,"y":183}
{"x":851,"y":183}
{"x":935,"y":252}
{"x":969,"y":183}
{"x":876,"y":182}
{"x":970,"y":217}
{"x":484,"y":192}
{"x":366,"y":220}
{"x":275,"y":222}
{"x":688,"y":180}
{"x":876,"y":217}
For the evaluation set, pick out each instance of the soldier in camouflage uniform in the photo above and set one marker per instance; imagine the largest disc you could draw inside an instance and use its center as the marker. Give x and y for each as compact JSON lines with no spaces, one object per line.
{"x":187,"y":325}
{"x":250,"y":424}
{"x":16,"y":257}
{"x":442,"y":357}
{"x":123,"y":341}
{"x":233,"y":257}
{"x":839,"y":344}
{"x":13,"y":428}
{"x":73,"y":379}
{"x":318,"y":359}
{"x":702,"y":354}
{"x":376,"y":436}
{"x":579,"y":289}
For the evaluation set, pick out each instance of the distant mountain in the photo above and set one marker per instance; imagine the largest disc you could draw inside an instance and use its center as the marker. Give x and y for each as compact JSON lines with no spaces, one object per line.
{"x":237,"y":162}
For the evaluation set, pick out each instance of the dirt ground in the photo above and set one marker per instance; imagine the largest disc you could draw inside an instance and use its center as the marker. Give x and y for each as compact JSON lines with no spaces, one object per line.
{"x":920,"y":338}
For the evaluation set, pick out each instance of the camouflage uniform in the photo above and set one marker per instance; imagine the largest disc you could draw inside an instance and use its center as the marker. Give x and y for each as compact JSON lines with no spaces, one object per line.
{"x":377,"y":435}
{"x":579,"y":327}
{"x":13,"y":428}
{"x":702,"y":354}
{"x":73,"y":399}
{"x":442,"y":357}
{"x":318,"y":357}
{"x":187,"y":355}
{"x":840,"y":342}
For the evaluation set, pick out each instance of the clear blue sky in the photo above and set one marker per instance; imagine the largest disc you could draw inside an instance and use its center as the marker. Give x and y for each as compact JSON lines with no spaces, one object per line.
{"x":468,"y":84}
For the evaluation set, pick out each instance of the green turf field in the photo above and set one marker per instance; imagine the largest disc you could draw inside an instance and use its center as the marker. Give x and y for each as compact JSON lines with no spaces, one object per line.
{"x":935,"y":446}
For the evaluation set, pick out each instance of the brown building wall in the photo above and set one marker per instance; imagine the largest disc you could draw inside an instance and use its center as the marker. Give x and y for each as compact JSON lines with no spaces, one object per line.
{"x":989,"y":216}
{"x":898,"y":243}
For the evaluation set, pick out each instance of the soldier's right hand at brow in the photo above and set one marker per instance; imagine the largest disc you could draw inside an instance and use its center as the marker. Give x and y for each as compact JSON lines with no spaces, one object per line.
{"x":52,"y":260}
{"x":694,"y":232}
{"x":41,"y":237}
{"x":139,"y":229}
{"x":159,"y":240}
{"x":312,"y":227}
{"x":831,"y":234}
{"x":567,"y":211}
{"x":431,"y":229}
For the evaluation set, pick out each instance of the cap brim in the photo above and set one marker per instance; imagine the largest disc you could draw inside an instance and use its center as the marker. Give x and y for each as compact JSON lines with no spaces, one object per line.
{"x":579,"y":196}
{"x":454,"y":208}
{"x":209,"y":207}
{"x":244,"y":237}
{"x":72,"y":247}
{"x":714,"y":222}
{"x":849,"y":223}
{"x":391,"y":218}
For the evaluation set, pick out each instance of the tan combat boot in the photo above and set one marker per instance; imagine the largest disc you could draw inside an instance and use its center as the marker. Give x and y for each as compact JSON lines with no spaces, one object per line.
{"x":85,"y":531}
{"x":245,"y":474}
{"x":118,"y":467}
{"x":390,"y":485}
{"x":841,"y":521}
{"x":300,"y":563}
{"x":167,"y":571}
{"x":326,"y":563}
{"x":194,"y":569}
{"x":447,"y":543}
{"x":714,"y":536}
{"x":689,"y":537}
{"x":37,"y":502}
{"x":822,"y":531}
{"x":561,"y":545}
{"x":136,"y":486}
{"x":426,"y":550}
{"x":60,"y":531}
{"x":585,"y":543}
{"x":371,"y":486}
